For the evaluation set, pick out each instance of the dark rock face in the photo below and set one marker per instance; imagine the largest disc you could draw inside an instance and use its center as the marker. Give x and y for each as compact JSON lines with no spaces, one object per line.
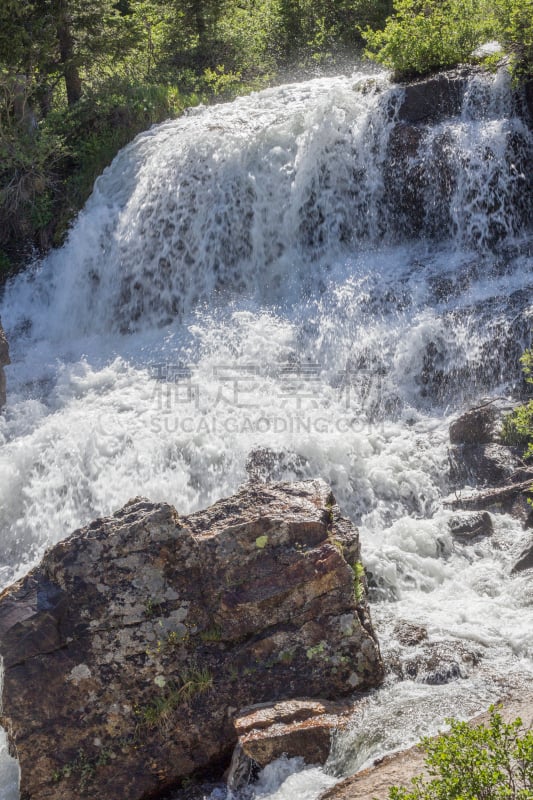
{"x":4,"y":361}
{"x":483,"y":465}
{"x":433,"y":99}
{"x":477,"y":455}
{"x":528,"y":95}
{"x":481,"y":424}
{"x":128,"y":650}
{"x":467,"y":527}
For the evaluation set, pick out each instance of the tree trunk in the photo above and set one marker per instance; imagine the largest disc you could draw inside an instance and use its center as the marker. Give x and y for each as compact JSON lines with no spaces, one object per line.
{"x":66,"y":53}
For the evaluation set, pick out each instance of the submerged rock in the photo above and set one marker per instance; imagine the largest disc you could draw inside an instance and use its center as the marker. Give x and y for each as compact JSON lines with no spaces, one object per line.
{"x":130,"y":648}
{"x":437,"y":663}
{"x":4,"y":361}
{"x":467,"y":527}
{"x":511,"y":498}
{"x":408,"y":634}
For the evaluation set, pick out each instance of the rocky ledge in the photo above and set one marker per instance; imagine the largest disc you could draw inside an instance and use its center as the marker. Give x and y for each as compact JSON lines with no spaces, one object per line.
{"x":131,"y":648}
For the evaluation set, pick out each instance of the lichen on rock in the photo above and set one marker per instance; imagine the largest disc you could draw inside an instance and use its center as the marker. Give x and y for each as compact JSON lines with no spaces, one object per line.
{"x":127,"y":647}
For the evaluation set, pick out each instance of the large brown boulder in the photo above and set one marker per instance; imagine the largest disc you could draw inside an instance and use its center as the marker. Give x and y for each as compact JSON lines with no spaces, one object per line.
{"x":4,"y":361}
{"x":131,"y":646}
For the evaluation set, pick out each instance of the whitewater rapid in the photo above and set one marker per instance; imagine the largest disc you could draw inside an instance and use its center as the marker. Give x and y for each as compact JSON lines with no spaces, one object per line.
{"x":242,"y":279}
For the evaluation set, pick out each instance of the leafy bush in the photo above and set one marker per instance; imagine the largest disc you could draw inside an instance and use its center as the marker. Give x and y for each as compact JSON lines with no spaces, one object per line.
{"x":425,"y":35}
{"x":518,"y":425}
{"x":47,"y":169}
{"x":518,"y":428}
{"x":476,"y":763}
{"x":30,"y":158}
{"x":515,"y":32}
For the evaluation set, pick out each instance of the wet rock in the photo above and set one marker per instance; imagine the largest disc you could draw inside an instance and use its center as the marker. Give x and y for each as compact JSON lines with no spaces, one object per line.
{"x":128,"y":650}
{"x":4,"y":361}
{"x":408,"y":634}
{"x":481,"y":424}
{"x":525,"y":560}
{"x":484,"y":465}
{"x":266,"y":465}
{"x":417,"y":187}
{"x":433,"y":99}
{"x":292,"y":728}
{"x":438,"y":663}
{"x":510,"y":499}
{"x":404,"y":179}
{"x":468,"y":527}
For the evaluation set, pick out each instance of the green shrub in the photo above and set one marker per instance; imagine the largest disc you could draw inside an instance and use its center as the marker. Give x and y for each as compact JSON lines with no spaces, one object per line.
{"x":493,"y":762}
{"x":518,"y":425}
{"x":515,"y":32}
{"x":518,"y":428}
{"x":425,"y":35}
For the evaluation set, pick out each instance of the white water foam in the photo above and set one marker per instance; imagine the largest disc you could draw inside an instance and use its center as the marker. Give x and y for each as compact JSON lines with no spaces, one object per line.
{"x":239,"y":281}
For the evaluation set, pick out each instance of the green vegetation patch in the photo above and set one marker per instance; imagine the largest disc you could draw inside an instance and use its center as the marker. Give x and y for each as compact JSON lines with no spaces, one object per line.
{"x":517,"y":428}
{"x":493,"y":762}
{"x":423,"y":36}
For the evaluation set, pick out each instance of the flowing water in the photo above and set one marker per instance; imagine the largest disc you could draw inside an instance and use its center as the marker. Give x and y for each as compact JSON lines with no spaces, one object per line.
{"x":287,"y":273}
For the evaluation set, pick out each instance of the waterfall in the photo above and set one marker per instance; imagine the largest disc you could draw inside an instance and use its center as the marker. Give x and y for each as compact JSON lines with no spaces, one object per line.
{"x":302,"y":283}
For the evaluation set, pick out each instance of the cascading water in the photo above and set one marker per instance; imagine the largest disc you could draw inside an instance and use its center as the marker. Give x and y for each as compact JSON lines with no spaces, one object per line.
{"x":299,"y":274}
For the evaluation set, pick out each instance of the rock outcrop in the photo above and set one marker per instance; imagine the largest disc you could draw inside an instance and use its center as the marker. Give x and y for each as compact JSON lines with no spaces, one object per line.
{"x":481,"y":424}
{"x":128,"y":651}
{"x":4,"y":361}
{"x":293,"y":728}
